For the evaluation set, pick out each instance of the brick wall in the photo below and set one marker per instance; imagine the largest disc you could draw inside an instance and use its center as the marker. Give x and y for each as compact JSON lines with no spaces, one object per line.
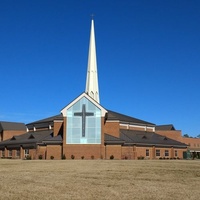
{"x":55,"y":151}
{"x":112,"y":128}
{"x":86,"y":150}
{"x":9,"y":134}
{"x":114,"y":150}
{"x":173,"y":134}
{"x":58,"y":126}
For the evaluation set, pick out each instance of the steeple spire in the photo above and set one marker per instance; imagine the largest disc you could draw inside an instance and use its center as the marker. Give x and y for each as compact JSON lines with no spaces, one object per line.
{"x":92,"y":88}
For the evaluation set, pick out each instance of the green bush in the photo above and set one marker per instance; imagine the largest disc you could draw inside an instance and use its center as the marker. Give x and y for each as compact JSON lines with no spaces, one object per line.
{"x":72,"y":157}
{"x":141,"y":158}
{"x":111,"y":157}
{"x":82,"y":157}
{"x":40,"y":157}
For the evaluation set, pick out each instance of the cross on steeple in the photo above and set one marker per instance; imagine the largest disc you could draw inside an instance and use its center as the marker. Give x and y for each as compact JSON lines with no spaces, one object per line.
{"x":83,"y":114}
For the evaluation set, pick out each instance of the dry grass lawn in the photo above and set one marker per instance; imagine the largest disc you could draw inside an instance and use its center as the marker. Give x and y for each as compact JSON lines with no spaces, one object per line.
{"x":99,"y":179}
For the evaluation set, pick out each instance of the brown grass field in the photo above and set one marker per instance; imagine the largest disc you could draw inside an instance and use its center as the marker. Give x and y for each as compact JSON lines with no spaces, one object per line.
{"x":100,"y":179}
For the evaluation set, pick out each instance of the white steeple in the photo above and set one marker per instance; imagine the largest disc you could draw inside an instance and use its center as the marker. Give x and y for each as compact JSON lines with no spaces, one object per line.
{"x":92,"y":88}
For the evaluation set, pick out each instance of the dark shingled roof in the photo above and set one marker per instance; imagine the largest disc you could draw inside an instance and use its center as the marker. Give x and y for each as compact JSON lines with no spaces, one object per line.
{"x":53,"y":140}
{"x":44,"y":122}
{"x":111,"y":115}
{"x":148,"y":138}
{"x":167,"y":127}
{"x":111,"y":139}
{"x":8,"y":126}
{"x":29,"y":138}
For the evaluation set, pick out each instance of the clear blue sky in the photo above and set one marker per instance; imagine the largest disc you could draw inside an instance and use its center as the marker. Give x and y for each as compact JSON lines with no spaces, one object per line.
{"x":148,"y":55}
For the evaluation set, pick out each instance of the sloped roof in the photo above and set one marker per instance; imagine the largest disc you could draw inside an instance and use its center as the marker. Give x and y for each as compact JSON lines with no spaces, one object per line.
{"x":7,"y":126}
{"x":111,"y":139}
{"x":166,"y":127}
{"x":44,"y":122}
{"x":148,"y":138}
{"x":53,"y":140}
{"x":27,"y":138}
{"x":111,"y":115}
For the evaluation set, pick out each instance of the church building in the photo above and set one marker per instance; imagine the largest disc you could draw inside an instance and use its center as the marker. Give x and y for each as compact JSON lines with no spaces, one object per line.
{"x":84,"y":129}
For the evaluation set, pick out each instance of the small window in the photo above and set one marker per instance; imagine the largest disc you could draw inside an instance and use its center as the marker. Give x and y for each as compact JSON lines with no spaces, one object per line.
{"x":147,"y":152}
{"x":166,"y":152}
{"x":18,"y":153}
{"x":26,"y":153}
{"x":175,"y":153}
{"x":157,"y":152}
{"x":10,"y":153}
{"x":3,"y":153}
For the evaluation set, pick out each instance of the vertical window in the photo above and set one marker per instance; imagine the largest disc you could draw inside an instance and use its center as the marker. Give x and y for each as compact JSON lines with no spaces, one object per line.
{"x":147,"y":152}
{"x":175,"y":153}
{"x":83,"y":123}
{"x":166,"y":152}
{"x":26,"y":152}
{"x":18,"y":153}
{"x":3,"y":153}
{"x":157,"y":152}
{"x":10,"y":153}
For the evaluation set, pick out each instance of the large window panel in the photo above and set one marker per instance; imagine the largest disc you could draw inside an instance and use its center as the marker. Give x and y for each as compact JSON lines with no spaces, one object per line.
{"x":83,"y":123}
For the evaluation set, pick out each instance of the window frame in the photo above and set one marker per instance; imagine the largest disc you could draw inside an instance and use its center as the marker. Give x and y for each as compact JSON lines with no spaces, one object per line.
{"x":17,"y":153}
{"x":147,"y":153}
{"x":167,"y":152}
{"x":9,"y":153}
{"x":157,"y":152}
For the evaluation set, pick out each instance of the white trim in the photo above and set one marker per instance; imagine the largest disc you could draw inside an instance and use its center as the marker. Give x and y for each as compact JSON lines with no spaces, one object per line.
{"x":138,"y":126}
{"x":112,"y":121}
{"x":103,"y":110}
{"x":57,"y":120}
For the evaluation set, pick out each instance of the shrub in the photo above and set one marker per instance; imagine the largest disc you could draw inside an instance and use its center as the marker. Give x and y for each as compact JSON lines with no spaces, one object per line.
{"x":125,"y":157}
{"x":160,"y":158}
{"x":92,"y":157}
{"x":141,"y":158}
{"x":52,"y":157}
{"x":28,"y":157}
{"x":82,"y":157}
{"x":72,"y":157}
{"x":63,"y":157}
{"x":40,"y":157}
{"x":111,"y":157}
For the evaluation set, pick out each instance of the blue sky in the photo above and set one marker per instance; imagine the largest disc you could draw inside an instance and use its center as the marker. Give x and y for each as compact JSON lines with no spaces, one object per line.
{"x":148,"y":55}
